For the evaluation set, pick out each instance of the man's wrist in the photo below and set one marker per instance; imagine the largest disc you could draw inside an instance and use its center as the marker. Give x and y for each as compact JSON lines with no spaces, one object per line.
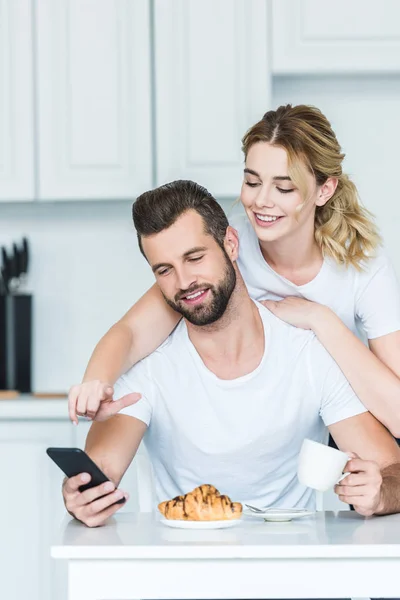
{"x":380,"y":509}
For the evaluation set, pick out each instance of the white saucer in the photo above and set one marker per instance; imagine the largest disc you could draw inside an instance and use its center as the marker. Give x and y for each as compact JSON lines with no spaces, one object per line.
{"x":279,"y":515}
{"x":177,"y":524}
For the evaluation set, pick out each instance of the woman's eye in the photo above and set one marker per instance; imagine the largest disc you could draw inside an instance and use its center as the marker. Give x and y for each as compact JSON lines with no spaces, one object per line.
{"x":282,"y":191}
{"x":251,"y":184}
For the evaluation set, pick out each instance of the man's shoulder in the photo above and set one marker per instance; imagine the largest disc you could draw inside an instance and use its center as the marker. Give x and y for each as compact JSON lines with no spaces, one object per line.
{"x":174,"y":341}
{"x":283,"y":330}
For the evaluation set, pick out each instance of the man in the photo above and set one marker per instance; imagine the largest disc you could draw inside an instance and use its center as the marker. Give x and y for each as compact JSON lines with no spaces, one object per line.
{"x":230,"y":396}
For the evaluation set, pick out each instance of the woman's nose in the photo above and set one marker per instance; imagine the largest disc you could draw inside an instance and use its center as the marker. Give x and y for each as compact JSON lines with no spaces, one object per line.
{"x":264,"y":199}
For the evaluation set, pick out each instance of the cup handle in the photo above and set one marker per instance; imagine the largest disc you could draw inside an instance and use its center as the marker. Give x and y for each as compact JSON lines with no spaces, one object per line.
{"x":342,"y":477}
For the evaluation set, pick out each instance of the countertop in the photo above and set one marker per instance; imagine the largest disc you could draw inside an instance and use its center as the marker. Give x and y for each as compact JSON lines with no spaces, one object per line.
{"x":29,"y":407}
{"x":343,"y":534}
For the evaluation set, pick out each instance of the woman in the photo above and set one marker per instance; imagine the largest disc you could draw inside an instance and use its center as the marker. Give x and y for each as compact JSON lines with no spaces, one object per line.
{"x":306,"y":239}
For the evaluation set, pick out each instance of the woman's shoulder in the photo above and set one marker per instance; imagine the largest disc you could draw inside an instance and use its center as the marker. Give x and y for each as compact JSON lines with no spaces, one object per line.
{"x":240,"y":222}
{"x":377,"y":261}
{"x":367,"y":268}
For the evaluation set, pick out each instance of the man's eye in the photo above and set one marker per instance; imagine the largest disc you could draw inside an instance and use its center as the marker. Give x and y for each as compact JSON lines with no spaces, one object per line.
{"x":195,"y":259}
{"x":163,"y":272}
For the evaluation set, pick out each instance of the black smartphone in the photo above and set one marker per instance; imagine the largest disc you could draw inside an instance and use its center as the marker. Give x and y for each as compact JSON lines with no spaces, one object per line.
{"x":73,"y":461}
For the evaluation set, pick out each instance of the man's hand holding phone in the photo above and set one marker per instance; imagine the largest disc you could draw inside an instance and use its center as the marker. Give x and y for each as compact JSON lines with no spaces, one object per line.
{"x":94,"y":505}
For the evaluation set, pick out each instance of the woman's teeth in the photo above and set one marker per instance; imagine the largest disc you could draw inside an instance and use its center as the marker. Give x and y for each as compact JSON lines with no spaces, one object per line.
{"x":266,"y":218}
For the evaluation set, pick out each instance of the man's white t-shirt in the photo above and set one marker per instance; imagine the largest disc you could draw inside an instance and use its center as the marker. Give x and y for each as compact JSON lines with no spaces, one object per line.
{"x":242,"y":435}
{"x":367,"y":301}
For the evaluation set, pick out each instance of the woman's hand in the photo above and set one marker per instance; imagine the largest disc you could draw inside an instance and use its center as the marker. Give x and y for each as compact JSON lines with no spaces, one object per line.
{"x":94,"y":400}
{"x":296,"y":311}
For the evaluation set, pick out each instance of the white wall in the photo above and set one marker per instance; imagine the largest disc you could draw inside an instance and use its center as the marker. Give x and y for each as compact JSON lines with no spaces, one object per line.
{"x":86,"y":268}
{"x":365,"y":114}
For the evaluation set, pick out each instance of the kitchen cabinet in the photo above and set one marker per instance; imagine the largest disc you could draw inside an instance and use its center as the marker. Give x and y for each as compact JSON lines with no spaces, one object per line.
{"x":16,"y":101}
{"x":94,"y":98}
{"x":31,"y":508}
{"x":31,"y":503}
{"x":318,"y":36}
{"x":212,"y":82}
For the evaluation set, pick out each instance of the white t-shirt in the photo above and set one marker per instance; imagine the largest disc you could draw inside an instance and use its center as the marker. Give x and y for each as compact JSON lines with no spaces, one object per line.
{"x":242,"y":435}
{"x":367,"y":301}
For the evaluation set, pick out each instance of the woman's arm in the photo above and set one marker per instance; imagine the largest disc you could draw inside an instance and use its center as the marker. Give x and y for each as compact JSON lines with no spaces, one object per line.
{"x":140,"y":331}
{"x":145,"y":326}
{"x":377,"y":386}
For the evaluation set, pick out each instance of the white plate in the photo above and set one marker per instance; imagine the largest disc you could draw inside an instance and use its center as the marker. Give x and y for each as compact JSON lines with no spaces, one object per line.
{"x":279,"y":515}
{"x":198,"y":524}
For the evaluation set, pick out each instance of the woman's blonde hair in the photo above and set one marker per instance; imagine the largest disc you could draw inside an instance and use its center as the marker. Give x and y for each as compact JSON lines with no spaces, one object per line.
{"x":344,"y":229}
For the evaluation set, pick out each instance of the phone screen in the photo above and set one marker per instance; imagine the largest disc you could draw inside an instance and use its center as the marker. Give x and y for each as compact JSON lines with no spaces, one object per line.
{"x":73,"y":461}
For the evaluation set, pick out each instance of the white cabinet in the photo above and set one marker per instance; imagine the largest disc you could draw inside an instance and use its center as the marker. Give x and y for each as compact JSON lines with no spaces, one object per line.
{"x":321,"y":36}
{"x":31,"y":502}
{"x":31,"y":508}
{"x":212,"y":82}
{"x":16,"y":101}
{"x":94,"y":98}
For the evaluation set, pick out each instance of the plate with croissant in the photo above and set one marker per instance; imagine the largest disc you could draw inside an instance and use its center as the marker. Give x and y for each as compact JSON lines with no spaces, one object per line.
{"x":202,"y":508}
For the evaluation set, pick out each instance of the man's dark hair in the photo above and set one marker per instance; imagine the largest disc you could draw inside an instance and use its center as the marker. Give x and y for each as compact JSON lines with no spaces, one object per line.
{"x":158,"y":209}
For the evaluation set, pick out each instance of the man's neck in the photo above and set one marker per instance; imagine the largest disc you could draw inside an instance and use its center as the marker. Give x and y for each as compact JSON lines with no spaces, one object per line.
{"x":233,"y":346}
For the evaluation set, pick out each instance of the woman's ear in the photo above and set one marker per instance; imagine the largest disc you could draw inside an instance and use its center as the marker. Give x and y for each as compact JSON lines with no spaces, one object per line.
{"x":231,"y":243}
{"x":326,"y":191}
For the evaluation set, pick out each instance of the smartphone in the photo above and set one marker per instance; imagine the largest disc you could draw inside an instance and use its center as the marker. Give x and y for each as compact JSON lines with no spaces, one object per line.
{"x":73,"y":461}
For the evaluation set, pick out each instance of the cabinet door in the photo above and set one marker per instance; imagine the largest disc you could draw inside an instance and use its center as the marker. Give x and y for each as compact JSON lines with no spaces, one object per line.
{"x":212,"y":83}
{"x":94,"y":101}
{"x":32,"y":509}
{"x":16,"y":101}
{"x":318,"y":36}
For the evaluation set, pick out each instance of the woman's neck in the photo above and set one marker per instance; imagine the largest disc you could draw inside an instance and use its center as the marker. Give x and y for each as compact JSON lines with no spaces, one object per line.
{"x":299,"y":258}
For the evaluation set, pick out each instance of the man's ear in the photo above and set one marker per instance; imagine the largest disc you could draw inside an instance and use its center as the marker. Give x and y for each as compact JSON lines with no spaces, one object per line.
{"x":231,"y":243}
{"x":326,"y":191}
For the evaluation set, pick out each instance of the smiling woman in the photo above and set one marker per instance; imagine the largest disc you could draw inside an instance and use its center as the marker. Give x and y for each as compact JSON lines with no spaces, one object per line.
{"x":305,"y":239}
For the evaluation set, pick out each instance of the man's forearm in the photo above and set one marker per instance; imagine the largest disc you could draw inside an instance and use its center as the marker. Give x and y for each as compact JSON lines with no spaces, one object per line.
{"x":112,"y":444}
{"x":390,"y":490}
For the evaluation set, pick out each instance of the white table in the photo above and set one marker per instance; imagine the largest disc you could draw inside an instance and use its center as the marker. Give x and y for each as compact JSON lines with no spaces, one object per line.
{"x":329,"y":555}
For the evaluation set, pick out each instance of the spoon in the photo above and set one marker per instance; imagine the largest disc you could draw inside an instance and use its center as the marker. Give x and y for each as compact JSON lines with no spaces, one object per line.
{"x":264,"y":510}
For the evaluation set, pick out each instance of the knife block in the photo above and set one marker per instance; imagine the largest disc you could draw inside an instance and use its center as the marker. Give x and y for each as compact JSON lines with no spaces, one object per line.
{"x":16,"y":342}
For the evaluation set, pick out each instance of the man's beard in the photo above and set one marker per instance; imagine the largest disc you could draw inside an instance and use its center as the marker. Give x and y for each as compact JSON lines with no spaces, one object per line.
{"x":209,"y":311}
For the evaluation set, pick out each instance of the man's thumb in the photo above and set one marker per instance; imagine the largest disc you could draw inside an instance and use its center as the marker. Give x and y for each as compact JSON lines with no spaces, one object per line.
{"x":352,"y":455}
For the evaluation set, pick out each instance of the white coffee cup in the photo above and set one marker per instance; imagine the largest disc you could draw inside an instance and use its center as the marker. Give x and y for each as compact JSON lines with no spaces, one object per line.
{"x":320,"y":467}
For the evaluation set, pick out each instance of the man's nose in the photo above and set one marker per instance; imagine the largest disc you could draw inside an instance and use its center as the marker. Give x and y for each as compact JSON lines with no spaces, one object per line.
{"x":184,"y":279}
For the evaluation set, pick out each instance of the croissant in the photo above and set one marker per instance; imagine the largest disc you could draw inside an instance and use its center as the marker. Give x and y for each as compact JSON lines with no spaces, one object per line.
{"x":204,"y":503}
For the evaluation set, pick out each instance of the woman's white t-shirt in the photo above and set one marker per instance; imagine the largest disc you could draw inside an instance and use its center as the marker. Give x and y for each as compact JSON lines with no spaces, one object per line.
{"x":367,"y":301}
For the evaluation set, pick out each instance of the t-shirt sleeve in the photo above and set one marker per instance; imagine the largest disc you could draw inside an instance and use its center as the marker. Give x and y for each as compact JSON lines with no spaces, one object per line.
{"x":378,"y":299}
{"x":136,"y":380}
{"x":334,"y":393}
